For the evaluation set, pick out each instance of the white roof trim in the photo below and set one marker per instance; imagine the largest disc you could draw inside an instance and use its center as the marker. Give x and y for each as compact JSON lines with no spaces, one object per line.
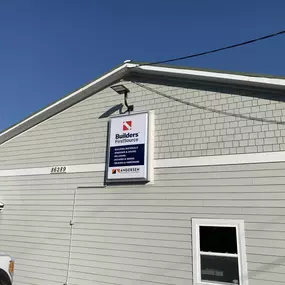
{"x":118,"y":73}
{"x":64,"y":103}
{"x":275,"y":83}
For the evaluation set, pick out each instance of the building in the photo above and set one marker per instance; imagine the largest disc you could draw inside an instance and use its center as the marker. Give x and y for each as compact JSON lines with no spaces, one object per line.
{"x":213,"y":209}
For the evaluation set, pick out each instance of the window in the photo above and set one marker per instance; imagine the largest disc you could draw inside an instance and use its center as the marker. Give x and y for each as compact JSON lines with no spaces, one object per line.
{"x":219,"y":252}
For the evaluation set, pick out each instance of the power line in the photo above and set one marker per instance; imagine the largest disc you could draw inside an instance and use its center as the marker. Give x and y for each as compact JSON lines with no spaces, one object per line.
{"x":209,"y":109}
{"x":217,"y":50}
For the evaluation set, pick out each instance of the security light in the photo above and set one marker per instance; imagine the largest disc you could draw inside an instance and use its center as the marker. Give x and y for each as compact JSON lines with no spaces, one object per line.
{"x":121,"y":89}
{"x":1,"y":206}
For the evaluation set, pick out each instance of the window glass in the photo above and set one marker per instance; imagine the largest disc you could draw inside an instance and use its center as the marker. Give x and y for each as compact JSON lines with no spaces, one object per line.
{"x":218,"y":239}
{"x":219,"y":269}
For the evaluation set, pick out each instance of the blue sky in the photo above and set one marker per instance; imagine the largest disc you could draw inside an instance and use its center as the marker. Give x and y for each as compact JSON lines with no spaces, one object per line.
{"x":50,"y":47}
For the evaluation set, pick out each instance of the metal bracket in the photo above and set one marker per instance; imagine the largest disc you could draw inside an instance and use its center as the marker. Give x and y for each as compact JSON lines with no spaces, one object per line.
{"x":130,"y":108}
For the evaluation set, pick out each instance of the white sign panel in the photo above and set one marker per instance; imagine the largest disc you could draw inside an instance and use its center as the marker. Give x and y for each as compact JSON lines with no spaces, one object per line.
{"x":128,"y":148}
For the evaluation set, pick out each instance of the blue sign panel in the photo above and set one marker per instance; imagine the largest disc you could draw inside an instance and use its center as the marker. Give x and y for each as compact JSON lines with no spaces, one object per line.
{"x":129,"y":155}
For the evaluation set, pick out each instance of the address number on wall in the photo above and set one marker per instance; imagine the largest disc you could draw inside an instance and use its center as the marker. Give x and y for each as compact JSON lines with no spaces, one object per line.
{"x":58,"y":170}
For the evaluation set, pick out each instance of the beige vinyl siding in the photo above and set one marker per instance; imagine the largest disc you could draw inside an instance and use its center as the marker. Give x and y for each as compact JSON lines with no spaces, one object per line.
{"x":34,"y":225}
{"x":142,"y":234}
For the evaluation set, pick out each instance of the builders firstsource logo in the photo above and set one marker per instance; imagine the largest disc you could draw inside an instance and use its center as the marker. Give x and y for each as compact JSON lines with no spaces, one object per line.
{"x":127,"y":136}
{"x":127,"y":126}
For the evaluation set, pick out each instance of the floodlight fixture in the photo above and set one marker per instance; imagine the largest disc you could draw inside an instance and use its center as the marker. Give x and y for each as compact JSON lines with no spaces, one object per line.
{"x":122,"y":89}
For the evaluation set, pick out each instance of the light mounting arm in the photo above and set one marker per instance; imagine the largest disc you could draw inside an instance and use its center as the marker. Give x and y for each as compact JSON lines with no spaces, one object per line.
{"x":121,"y":89}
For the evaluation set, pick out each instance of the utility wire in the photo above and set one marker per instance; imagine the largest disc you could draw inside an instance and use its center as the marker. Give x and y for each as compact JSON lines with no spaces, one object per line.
{"x":216,"y":50}
{"x":71,"y":223}
{"x":209,"y":109}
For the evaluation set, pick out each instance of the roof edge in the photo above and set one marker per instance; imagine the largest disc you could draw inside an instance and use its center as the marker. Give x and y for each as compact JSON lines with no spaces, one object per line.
{"x":144,"y":69}
{"x":215,"y":77}
{"x":64,"y":103}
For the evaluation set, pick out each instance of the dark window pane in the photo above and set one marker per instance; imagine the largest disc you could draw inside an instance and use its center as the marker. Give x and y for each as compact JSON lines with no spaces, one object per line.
{"x":218,"y":239}
{"x":219,"y":269}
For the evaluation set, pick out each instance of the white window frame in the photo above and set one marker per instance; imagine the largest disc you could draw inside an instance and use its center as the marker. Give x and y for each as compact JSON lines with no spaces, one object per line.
{"x":241,"y":251}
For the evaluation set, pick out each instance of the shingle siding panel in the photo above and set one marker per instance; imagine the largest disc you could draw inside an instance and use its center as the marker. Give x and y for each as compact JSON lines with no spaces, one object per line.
{"x":77,"y":131}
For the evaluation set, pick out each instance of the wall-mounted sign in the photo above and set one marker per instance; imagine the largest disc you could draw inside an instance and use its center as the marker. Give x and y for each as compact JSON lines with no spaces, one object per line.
{"x":128,"y":148}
